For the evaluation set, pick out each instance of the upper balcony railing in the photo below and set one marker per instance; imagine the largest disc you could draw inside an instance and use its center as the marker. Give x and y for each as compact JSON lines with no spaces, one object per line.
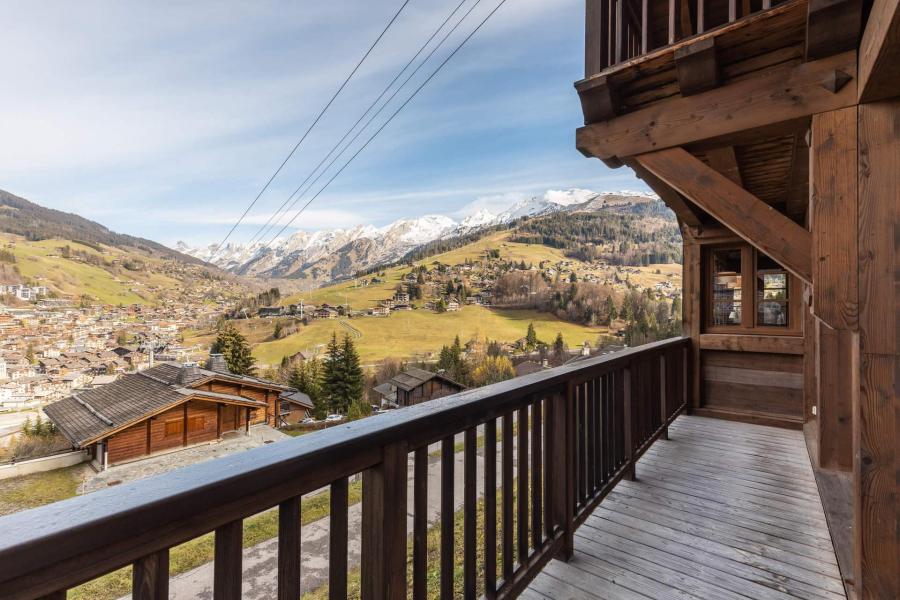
{"x":619,"y":30}
{"x":571,"y":432}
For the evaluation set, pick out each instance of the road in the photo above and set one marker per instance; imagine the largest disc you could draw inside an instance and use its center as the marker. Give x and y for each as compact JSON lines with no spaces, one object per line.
{"x":260,"y":564}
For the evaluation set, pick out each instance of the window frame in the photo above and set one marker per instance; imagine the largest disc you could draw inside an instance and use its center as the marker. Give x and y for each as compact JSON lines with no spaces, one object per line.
{"x":749,"y":293}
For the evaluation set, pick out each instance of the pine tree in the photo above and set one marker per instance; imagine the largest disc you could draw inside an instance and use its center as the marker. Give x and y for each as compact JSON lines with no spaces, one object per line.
{"x":531,"y":336}
{"x":332,"y":377}
{"x":353,"y":373}
{"x":559,"y":348}
{"x":611,"y":309}
{"x":235,"y":349}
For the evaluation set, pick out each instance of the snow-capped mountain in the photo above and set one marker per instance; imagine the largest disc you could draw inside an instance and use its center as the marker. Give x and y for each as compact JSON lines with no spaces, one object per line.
{"x":336,"y":253}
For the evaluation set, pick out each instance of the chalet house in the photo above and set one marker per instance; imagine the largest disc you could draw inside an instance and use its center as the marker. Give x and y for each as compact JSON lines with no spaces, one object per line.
{"x":452,"y":305}
{"x":326,"y":312}
{"x":162,"y":408}
{"x":294,"y":407}
{"x":415,"y":385}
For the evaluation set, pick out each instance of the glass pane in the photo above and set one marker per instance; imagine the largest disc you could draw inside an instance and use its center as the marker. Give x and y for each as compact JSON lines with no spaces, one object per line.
{"x":773,"y":314}
{"x":727,"y":313}
{"x":726,"y":288}
{"x":771,"y":293}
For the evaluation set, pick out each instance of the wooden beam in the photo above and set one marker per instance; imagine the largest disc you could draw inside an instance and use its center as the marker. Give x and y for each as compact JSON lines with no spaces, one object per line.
{"x":833,"y":218}
{"x":697,"y":67}
{"x":876,"y":418}
{"x":879,"y":53}
{"x":838,"y":379}
{"x":599,"y":100}
{"x":749,"y":217}
{"x":686,"y":212}
{"x":743,"y":105}
{"x":724,"y":160}
{"x":771,"y":344}
{"x":832,"y":27}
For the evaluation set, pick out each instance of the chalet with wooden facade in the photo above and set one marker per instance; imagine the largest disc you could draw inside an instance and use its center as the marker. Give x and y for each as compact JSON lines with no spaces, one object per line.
{"x":415,"y":385}
{"x":756,"y":456}
{"x":166,"y":407}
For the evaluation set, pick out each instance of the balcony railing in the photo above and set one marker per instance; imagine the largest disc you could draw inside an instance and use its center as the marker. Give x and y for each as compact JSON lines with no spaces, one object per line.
{"x":566,"y":437}
{"x":619,"y":30}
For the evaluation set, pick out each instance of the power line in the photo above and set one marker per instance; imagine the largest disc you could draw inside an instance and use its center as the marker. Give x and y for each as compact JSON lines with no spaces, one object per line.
{"x":278,"y":214}
{"x":311,"y":127}
{"x":383,"y":106}
{"x":391,"y":118}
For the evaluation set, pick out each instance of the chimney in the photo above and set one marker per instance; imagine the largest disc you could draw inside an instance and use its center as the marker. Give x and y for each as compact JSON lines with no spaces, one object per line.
{"x":187,"y":373}
{"x":151,"y":358}
{"x":216,"y":362}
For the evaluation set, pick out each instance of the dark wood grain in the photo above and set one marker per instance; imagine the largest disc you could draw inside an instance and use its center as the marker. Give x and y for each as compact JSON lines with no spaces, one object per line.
{"x":537,"y":471}
{"x":447,"y":514}
{"x":470,"y":500}
{"x":490,"y":508}
{"x":506,"y":471}
{"x":420,"y":524}
{"x":150,"y":577}
{"x":337,"y":541}
{"x":289,"y":548}
{"x":879,"y":53}
{"x":227,"y":564}
{"x":522,"y":480}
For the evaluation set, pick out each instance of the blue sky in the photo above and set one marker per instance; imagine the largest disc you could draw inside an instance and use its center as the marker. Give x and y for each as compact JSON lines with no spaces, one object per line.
{"x":164,"y":119}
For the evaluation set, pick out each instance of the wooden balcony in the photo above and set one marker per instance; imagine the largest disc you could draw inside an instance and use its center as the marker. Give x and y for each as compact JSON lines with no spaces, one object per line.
{"x":547,"y":471}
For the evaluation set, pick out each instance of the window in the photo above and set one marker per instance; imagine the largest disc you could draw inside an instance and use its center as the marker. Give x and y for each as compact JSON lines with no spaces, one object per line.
{"x":747,"y":290}
{"x":726,"y":287}
{"x":174,"y":428}
{"x":771,"y":293}
{"x":196,"y":423}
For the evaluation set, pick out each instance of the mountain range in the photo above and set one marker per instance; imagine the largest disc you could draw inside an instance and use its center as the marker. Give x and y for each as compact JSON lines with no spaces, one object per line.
{"x":333,"y":254}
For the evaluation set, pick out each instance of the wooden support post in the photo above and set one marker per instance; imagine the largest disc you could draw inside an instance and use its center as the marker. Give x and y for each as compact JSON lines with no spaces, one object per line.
{"x":876,"y":418}
{"x":595,"y":56}
{"x":697,"y":67}
{"x":832,"y":26}
{"x":289,"y":549}
{"x":184,"y":428}
{"x":383,"y":565}
{"x":563,"y":496}
{"x":150,"y":577}
{"x":247,"y":422}
{"x":218,"y":421}
{"x":879,"y":53}
{"x":621,"y":51}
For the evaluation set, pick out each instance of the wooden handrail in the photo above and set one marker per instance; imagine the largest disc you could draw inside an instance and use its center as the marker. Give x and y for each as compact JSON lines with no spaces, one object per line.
{"x":62,"y":545}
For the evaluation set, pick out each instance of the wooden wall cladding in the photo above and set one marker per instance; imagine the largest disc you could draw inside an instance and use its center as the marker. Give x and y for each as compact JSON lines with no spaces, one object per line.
{"x":128,"y":444}
{"x":158,"y":438}
{"x":201,"y":422}
{"x":767,"y":385}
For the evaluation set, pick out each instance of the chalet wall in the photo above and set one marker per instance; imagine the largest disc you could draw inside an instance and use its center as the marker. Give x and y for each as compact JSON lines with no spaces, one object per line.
{"x":201,"y":422}
{"x":128,"y":444}
{"x":758,"y":386}
{"x":259,"y":415}
{"x":159,"y":440}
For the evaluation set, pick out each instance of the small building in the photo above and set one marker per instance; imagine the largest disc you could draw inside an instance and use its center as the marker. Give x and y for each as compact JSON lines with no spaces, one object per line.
{"x":271,"y":311}
{"x":295,"y":406}
{"x":416,"y":385}
{"x":162,"y":408}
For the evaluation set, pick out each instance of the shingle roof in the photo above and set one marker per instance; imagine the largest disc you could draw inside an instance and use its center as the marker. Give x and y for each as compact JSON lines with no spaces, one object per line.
{"x":413,"y":377}
{"x":89,"y":414}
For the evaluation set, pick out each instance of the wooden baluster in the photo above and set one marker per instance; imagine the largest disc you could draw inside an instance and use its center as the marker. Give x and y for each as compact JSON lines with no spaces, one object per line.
{"x":337,"y":541}
{"x":383,"y":564}
{"x":673,"y":35}
{"x":420,"y":524}
{"x":595,"y":56}
{"x":583,"y":446}
{"x":628,"y":425}
{"x":767,"y":4}
{"x":621,"y":40}
{"x":610,"y":32}
{"x":522,"y":476}
{"x":490,"y":509}
{"x":685,"y":376}
{"x":228,"y":560}
{"x":663,"y":398}
{"x":550,"y":481}
{"x":645,"y":26}
{"x":536,"y":471}
{"x":150,"y":577}
{"x":470,"y":499}
{"x":732,"y":10}
{"x":448,"y":460}
{"x":289,"y":549}
{"x":506,"y":469}
{"x":593,"y":454}
{"x":569,"y":444}
{"x":701,"y":21}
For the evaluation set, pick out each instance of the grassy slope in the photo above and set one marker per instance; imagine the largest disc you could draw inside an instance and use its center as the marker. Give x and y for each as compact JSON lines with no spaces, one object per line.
{"x":29,"y":491}
{"x":40,"y":262}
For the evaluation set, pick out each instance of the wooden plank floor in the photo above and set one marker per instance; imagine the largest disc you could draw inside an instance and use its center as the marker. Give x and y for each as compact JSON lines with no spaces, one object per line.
{"x":721,"y":510}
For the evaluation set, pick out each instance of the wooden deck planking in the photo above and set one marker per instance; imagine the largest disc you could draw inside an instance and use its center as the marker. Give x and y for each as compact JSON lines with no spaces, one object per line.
{"x":721,"y":510}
